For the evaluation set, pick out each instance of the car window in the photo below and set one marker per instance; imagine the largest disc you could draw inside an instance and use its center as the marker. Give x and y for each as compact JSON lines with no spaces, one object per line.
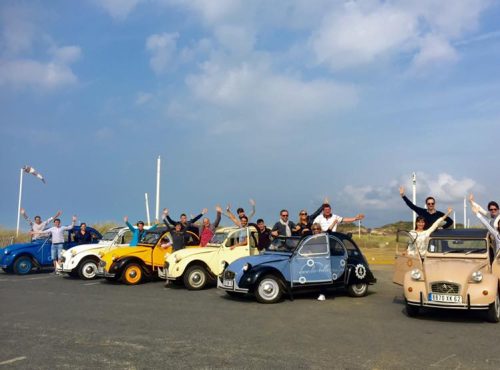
{"x":315,"y":245}
{"x":94,"y":236}
{"x":457,"y":246}
{"x":336,"y":248}
{"x":126,"y":237}
{"x":352,"y":250}
{"x":191,"y":239}
{"x":237,"y":236}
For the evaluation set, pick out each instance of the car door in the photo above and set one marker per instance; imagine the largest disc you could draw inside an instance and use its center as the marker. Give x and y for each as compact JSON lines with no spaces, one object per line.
{"x":404,"y":261}
{"x":311,"y":263}
{"x":338,"y":257}
{"x":43,"y":252}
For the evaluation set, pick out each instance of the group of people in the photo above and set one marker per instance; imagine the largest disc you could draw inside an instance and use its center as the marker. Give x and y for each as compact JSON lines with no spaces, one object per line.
{"x":321,"y":220}
{"x":429,"y":219}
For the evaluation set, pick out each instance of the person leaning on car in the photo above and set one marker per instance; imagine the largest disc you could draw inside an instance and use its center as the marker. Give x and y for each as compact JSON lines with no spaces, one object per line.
{"x":82,"y":236}
{"x":430,"y":214}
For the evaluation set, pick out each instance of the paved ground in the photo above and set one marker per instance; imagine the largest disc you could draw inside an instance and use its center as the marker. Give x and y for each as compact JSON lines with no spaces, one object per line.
{"x":53,"y":322}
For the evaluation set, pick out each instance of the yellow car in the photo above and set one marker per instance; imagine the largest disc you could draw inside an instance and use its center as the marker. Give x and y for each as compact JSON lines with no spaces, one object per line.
{"x":131,"y":265}
{"x":198,"y":267}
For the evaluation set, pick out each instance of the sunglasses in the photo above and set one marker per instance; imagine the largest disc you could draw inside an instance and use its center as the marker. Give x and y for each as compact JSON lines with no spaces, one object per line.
{"x":284,"y":215}
{"x":316,"y":229}
{"x":430,"y":204}
{"x":303,"y":213}
{"x":492,"y":209}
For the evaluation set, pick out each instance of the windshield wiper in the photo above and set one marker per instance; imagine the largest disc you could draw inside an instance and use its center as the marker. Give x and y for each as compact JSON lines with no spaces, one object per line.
{"x":475,"y":250}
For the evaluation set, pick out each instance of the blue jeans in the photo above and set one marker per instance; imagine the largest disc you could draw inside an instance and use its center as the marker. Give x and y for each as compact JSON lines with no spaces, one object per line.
{"x":56,"y":250}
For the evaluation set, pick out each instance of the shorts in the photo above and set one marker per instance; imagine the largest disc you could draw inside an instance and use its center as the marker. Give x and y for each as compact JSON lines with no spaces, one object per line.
{"x":56,"y":251}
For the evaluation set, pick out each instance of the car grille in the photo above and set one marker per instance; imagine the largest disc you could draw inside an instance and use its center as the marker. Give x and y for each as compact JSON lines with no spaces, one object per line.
{"x":102,"y":263}
{"x":229,"y":275}
{"x":444,"y":287}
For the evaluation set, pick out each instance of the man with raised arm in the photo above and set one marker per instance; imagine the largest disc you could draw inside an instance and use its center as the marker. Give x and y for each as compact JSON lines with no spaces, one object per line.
{"x":330,"y":221}
{"x":494,"y":215}
{"x":185,"y":223}
{"x":430,"y":214}
{"x":38,"y":224}
{"x":241,"y":212}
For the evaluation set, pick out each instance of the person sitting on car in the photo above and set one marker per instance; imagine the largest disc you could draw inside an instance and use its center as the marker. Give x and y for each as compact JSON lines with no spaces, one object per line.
{"x":494,"y":231}
{"x":421,"y":234}
{"x":494,"y":214}
{"x":284,"y":227}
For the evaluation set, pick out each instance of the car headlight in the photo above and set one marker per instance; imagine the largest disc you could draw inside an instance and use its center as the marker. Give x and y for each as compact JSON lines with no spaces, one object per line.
{"x":73,"y":252}
{"x":177,"y":258}
{"x":6,"y":251}
{"x":477,"y":276}
{"x":113,"y":258}
{"x":247,"y":267}
{"x":416,"y":274}
{"x":100,"y":254}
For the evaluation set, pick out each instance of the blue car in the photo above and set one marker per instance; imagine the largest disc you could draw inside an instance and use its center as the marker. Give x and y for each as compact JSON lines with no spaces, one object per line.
{"x":22,"y":258}
{"x":290,"y":265}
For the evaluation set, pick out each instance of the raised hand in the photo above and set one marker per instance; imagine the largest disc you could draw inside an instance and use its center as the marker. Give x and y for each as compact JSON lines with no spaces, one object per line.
{"x":449,"y":211}
{"x":165,"y":211}
{"x":252,"y":202}
{"x":23,"y":211}
{"x":475,"y":209}
{"x":471,"y":197}
{"x":360,"y":216}
{"x":326,"y":200}
{"x":125,"y":219}
{"x":204,"y":211}
{"x":73,"y":219}
{"x":228,"y":208}
{"x":218,"y":208}
{"x":58,"y":214}
{"x":401,"y":191}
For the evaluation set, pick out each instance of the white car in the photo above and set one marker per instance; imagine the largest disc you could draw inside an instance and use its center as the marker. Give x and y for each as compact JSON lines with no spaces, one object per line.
{"x":82,"y":260}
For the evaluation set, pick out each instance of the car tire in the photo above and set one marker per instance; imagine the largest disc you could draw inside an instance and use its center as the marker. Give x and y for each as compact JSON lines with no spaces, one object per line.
{"x":195,"y":277}
{"x":357,"y":290}
{"x":132,"y":274}
{"x":23,"y":265}
{"x":411,"y":310}
{"x":269,"y":289}
{"x":493,"y":313}
{"x":87,"y":269}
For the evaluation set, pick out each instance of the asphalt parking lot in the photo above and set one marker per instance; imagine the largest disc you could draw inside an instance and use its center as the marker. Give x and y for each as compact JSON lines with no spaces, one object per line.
{"x":52,"y":322}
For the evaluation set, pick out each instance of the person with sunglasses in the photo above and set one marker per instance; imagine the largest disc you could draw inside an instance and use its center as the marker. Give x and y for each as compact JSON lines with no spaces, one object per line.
{"x":494,"y":231}
{"x":284,"y":227}
{"x":494,"y":216}
{"x":430,"y":214}
{"x":305,"y":221}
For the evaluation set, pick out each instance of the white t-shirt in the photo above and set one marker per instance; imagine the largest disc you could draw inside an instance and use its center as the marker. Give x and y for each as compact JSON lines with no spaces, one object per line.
{"x":58,"y":233}
{"x":327,"y":222}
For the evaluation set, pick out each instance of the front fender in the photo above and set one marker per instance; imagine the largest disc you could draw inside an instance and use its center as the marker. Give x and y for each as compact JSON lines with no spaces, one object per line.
{"x":118,"y":265}
{"x":250,"y":278}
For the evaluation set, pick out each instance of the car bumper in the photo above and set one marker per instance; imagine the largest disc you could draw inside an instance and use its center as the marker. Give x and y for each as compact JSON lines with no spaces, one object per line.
{"x":101,"y":272}
{"x":162,"y":273}
{"x":230,"y":285}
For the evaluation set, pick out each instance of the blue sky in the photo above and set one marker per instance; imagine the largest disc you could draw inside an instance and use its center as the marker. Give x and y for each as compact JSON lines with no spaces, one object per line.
{"x":285,"y":102}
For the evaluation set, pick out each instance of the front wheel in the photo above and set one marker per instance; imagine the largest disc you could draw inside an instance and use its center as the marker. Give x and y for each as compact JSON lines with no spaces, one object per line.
{"x":195,"y":277}
{"x":87,"y":269}
{"x":269,"y":289}
{"x":357,"y":290}
{"x":132,"y":274}
{"x":493,"y":313}
{"x":23,"y":265}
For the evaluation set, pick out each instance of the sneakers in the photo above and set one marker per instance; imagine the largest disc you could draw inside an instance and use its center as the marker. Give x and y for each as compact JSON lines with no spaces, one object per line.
{"x":57,"y":272}
{"x":321,"y":297}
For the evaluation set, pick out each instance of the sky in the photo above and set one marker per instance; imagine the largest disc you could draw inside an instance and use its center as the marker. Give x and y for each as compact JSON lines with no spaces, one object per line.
{"x":284,"y":101}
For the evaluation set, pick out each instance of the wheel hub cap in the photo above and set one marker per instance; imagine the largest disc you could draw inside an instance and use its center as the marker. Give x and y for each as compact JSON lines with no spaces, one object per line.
{"x":196,"y":278}
{"x":133,"y":274}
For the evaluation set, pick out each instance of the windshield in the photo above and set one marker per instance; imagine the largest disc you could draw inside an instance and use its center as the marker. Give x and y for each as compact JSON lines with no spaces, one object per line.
{"x":109,"y":236}
{"x":281,"y":244}
{"x":457,"y":246}
{"x":150,"y":238}
{"x":218,"y":238}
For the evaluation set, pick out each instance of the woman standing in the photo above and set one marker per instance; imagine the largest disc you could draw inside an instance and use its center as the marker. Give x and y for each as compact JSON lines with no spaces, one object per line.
{"x":421,"y":235}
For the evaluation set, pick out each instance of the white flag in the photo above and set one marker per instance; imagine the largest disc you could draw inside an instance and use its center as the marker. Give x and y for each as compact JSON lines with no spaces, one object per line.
{"x":34,"y":172}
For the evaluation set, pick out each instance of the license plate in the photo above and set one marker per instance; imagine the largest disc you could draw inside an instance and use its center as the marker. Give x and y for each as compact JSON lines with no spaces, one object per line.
{"x":228,"y":283}
{"x":445,"y":298}
{"x":100,"y":269}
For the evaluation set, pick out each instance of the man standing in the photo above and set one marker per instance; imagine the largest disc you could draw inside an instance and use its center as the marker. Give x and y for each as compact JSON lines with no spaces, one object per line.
{"x":137,"y":233}
{"x":207,"y":229}
{"x":329,"y":221}
{"x":430,"y":214}
{"x":494,"y":216}
{"x":38,"y":225}
{"x":263,"y":233}
{"x":188,"y":225}
{"x":241,"y":212}
{"x":57,"y":233}
{"x":284,"y":227}
{"x":82,"y":236}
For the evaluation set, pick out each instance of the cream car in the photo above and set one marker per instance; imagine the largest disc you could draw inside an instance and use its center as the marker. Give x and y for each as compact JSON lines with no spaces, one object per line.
{"x":460,"y":270}
{"x":198,"y":267}
{"x":82,"y":260}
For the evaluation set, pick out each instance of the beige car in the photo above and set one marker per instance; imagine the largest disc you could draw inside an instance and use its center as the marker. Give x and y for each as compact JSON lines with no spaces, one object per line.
{"x":460,"y":270}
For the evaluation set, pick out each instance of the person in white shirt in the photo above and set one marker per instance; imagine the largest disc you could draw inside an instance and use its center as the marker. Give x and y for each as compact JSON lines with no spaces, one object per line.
{"x":57,"y":233}
{"x":421,"y":235}
{"x":38,"y":224}
{"x":327,"y":219}
{"x":493,"y":231}
{"x":492,"y":208}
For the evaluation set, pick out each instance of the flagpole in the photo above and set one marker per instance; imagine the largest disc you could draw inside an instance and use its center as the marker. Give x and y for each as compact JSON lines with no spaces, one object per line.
{"x":19,"y":203}
{"x":146,"y":199}
{"x":157,"y":213}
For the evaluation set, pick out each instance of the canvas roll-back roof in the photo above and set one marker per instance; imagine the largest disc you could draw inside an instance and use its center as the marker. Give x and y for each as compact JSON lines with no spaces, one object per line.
{"x":460,"y":234}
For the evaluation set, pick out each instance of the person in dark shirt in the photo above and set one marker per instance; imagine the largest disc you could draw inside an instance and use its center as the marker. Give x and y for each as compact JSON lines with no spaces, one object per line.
{"x":264,"y":234}
{"x":284,"y":226}
{"x":82,"y":236}
{"x":185,"y":224}
{"x":430,"y":214}
{"x":305,"y":221}
{"x":177,"y":235}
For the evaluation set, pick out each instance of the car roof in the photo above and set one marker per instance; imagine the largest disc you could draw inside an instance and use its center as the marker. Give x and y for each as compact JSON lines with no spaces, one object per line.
{"x":460,"y":234}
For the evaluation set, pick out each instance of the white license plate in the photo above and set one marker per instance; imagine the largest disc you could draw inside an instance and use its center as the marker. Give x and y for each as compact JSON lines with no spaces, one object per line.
{"x":100,"y":269}
{"x":445,"y":298}
{"x":228,"y":283}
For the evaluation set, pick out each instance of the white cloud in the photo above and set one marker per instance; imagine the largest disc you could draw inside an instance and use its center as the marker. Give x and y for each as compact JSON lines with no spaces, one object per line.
{"x":18,"y":29}
{"x":118,"y":9}
{"x":252,"y":95}
{"x":434,"y":50}
{"x":21,"y":73}
{"x":163,"y":49}
{"x":445,"y":188}
{"x":143,"y":97}
{"x":66,"y":54}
